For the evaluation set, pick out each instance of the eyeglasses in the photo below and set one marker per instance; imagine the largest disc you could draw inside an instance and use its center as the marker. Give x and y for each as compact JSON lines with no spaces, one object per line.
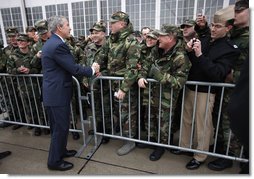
{"x":216,"y":26}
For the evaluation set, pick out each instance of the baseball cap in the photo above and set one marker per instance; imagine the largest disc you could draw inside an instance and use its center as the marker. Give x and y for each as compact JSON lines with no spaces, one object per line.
{"x":188,"y":22}
{"x":99,"y":26}
{"x":167,"y":29}
{"x":23,"y":37}
{"x":30,"y":29}
{"x":41,"y":26}
{"x":11,"y":31}
{"x":119,"y":16}
{"x":153,"y":34}
{"x":241,"y":5}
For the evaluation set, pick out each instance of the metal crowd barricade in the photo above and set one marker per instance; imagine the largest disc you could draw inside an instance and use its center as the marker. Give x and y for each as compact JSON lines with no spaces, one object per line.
{"x":21,"y":104}
{"x":116,"y":124}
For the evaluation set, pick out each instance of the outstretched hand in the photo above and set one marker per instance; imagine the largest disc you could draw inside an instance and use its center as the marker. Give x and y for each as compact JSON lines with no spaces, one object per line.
{"x":96,"y":67}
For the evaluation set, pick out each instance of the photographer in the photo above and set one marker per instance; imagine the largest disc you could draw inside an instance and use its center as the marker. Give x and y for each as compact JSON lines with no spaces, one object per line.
{"x":212,"y":57}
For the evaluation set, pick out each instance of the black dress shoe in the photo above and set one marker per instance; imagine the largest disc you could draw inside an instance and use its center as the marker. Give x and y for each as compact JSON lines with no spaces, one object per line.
{"x":5,"y":154}
{"x":75,"y":135}
{"x":105,"y":140}
{"x":15,"y":127}
{"x":180,"y":152}
{"x":70,"y":153}
{"x":193,"y":164}
{"x":220,"y":164}
{"x":62,"y":167}
{"x":157,"y":153}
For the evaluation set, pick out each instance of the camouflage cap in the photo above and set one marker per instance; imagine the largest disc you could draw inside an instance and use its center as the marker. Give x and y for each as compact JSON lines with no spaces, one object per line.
{"x":188,"y":22}
{"x":167,"y":29}
{"x":11,"y":31}
{"x":241,"y":5}
{"x":41,"y":26}
{"x":137,"y":33}
{"x":30,"y":29}
{"x":153,"y":34}
{"x":224,"y":15}
{"x":23,"y":37}
{"x":119,"y":16}
{"x":99,"y":26}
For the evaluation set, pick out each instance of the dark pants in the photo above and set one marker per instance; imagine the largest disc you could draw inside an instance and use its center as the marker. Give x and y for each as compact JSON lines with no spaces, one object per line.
{"x":59,"y":118}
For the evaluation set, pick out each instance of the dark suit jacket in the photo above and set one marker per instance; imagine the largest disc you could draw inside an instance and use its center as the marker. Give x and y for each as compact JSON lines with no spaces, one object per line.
{"x":238,"y":107}
{"x":58,"y":66}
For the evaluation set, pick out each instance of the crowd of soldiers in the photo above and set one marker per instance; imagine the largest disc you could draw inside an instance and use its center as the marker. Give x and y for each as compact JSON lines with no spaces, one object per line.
{"x":171,"y":55}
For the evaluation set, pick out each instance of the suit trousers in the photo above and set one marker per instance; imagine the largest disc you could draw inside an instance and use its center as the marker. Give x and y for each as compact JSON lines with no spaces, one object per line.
{"x":203,"y":124}
{"x":59,"y":118}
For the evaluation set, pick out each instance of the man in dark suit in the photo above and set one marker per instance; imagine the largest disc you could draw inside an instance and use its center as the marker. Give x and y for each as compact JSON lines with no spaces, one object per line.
{"x":58,"y":66}
{"x":238,"y":111}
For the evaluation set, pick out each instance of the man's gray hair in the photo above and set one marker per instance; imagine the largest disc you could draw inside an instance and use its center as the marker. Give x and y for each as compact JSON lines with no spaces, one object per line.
{"x":55,"y":21}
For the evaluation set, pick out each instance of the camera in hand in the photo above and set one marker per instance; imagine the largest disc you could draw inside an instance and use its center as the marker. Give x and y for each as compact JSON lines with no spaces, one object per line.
{"x":193,"y":41}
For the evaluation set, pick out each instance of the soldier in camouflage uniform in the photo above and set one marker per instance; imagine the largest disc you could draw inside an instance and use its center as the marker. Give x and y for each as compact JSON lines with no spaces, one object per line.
{"x":149,"y":52}
{"x":12,"y":34}
{"x":240,"y":35}
{"x":19,"y":63}
{"x":42,"y":30}
{"x":119,"y":57}
{"x":2,"y":70}
{"x":83,"y":41}
{"x":98,"y":39}
{"x":3,"y":59}
{"x":31,"y":32}
{"x":171,"y":70}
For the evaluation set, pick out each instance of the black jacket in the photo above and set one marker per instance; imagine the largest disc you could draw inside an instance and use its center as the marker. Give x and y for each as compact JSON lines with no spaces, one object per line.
{"x":214,"y":64}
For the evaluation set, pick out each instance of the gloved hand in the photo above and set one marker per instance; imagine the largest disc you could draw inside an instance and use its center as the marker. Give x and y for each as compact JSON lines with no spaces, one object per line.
{"x":155,"y":72}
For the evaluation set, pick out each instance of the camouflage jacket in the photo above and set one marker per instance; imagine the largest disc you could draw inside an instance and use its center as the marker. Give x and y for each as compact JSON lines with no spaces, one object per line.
{"x":89,"y":52}
{"x":5,"y":53}
{"x":17,"y":59}
{"x":88,"y":59}
{"x":174,"y":66}
{"x":241,"y":39}
{"x":148,"y":57}
{"x":76,"y":51}
{"x":34,"y":50}
{"x":119,"y":57}
{"x":3,"y":60}
{"x":171,"y":70}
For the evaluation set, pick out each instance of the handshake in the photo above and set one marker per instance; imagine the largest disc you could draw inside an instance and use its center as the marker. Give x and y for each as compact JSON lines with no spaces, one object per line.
{"x":96,"y":67}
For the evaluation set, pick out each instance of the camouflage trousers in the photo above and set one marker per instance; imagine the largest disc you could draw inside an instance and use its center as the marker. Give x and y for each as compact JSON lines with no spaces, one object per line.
{"x":125,"y":111}
{"x":30,"y":98}
{"x":11,"y":99}
{"x":102,"y":107}
{"x":226,"y":140}
{"x":158,"y":116}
